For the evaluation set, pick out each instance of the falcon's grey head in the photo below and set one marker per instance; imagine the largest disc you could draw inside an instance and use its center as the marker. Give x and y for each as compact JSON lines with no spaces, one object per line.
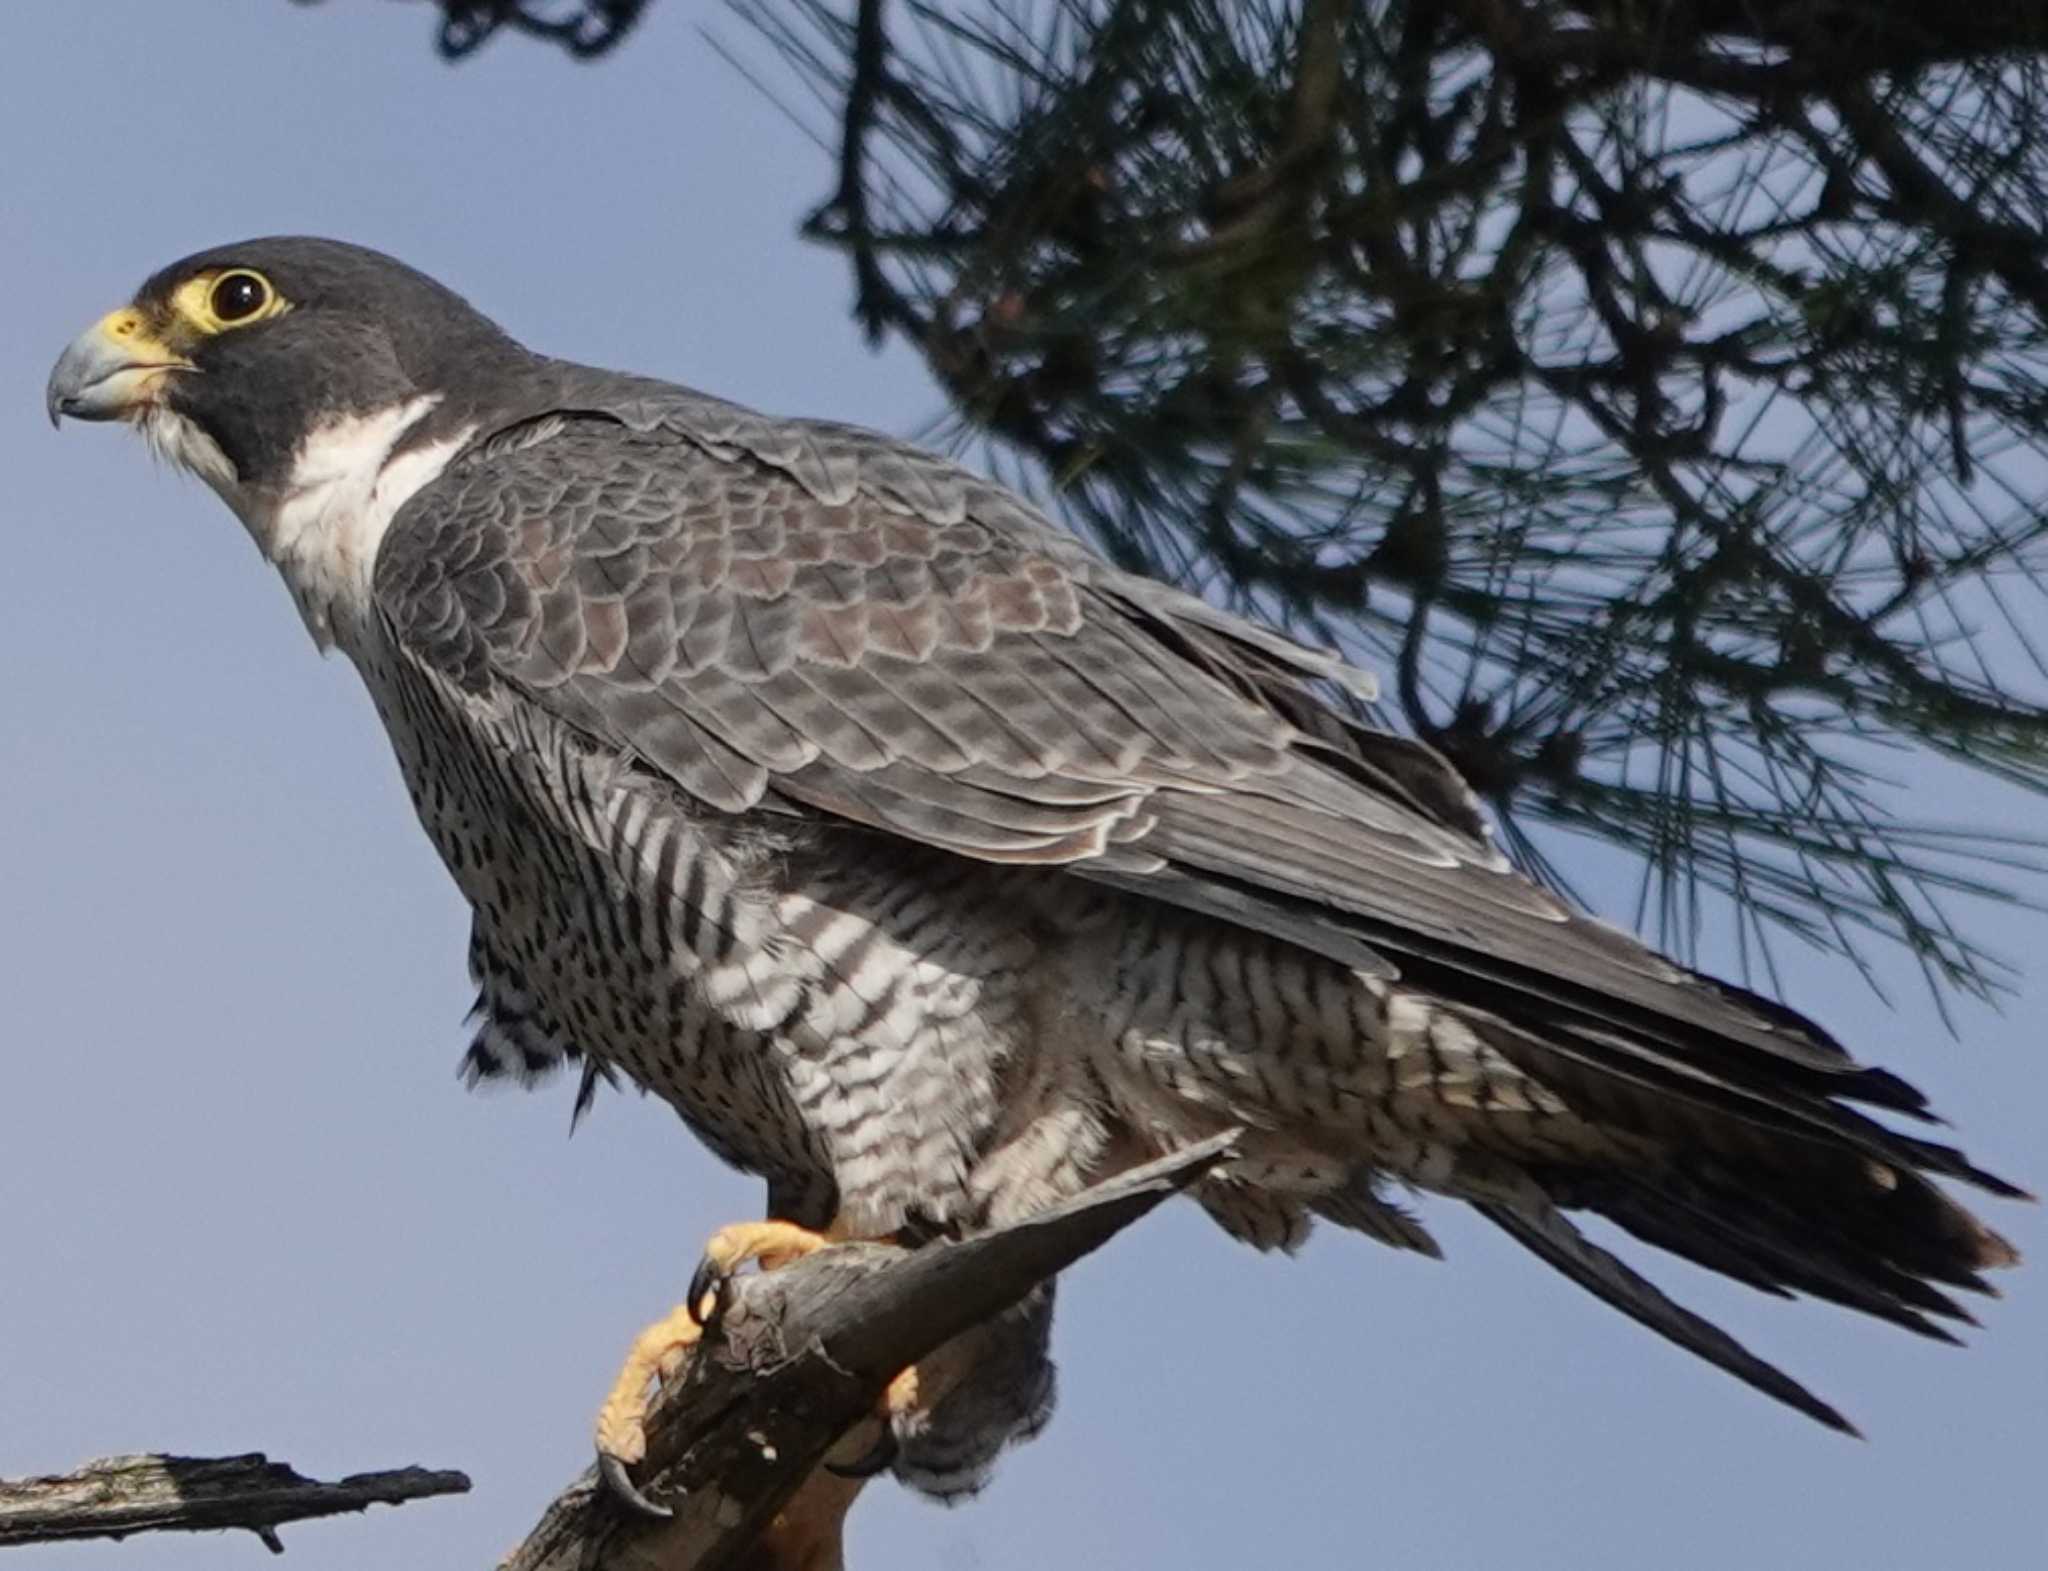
{"x":313,"y":384}
{"x":250,"y":348}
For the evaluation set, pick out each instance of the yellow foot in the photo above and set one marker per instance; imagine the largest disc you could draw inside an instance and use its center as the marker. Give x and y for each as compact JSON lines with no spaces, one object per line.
{"x":660,"y":1351}
{"x":657,"y":1353}
{"x":766,"y":1244}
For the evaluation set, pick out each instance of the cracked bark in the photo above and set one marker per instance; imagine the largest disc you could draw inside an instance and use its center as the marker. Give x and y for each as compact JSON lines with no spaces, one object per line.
{"x":795,"y":1360}
{"x":118,"y":1495}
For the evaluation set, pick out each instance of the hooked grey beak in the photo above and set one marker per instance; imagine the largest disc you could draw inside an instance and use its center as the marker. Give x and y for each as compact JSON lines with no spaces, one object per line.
{"x":111,"y":369}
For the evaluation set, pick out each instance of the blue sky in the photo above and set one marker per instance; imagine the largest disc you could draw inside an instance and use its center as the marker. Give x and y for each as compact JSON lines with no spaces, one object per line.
{"x":248,"y":1204}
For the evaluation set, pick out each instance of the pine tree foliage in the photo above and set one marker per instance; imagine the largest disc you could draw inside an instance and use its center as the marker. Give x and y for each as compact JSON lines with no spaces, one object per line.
{"x":1656,"y":392}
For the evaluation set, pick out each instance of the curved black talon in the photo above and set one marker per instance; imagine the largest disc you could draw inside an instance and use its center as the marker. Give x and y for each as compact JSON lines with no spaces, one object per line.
{"x":707,"y":1281}
{"x":878,"y":1458}
{"x":622,"y":1489}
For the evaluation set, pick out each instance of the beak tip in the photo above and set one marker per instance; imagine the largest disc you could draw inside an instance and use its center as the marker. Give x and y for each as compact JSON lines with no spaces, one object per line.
{"x":106,"y":374}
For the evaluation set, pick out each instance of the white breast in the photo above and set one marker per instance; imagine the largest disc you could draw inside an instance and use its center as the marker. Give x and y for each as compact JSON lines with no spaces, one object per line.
{"x":344,"y":490}
{"x":322,"y":527}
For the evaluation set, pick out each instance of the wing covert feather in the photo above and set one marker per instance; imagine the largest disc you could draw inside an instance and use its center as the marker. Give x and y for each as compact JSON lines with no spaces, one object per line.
{"x":764,"y":609}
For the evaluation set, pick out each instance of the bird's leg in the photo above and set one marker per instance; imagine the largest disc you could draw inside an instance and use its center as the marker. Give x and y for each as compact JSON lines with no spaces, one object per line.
{"x":657,"y":1353}
{"x":661,"y":1350}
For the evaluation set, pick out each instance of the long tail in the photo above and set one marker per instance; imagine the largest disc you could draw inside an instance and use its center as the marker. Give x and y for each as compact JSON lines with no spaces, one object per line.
{"x":1785,"y":1217}
{"x":1549,"y":1235}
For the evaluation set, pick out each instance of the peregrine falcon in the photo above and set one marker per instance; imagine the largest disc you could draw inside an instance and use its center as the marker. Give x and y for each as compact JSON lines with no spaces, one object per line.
{"x":932,"y":868}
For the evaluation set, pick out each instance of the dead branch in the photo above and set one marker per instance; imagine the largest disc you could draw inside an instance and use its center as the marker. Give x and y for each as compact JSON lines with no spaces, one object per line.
{"x":119,"y":1495}
{"x":794,"y":1360}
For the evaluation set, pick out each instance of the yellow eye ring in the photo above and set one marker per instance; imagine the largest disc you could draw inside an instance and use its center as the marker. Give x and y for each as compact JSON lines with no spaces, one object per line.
{"x":237,"y":296}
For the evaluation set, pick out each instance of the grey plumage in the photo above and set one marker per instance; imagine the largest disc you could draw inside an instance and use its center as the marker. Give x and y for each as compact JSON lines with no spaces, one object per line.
{"x":933,"y":868}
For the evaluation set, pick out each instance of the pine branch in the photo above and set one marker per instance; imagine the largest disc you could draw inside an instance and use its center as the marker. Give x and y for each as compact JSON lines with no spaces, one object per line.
{"x":119,"y":1495}
{"x":1657,"y":388}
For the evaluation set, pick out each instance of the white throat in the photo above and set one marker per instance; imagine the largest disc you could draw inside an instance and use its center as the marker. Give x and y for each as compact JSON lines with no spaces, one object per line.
{"x":321,"y":527}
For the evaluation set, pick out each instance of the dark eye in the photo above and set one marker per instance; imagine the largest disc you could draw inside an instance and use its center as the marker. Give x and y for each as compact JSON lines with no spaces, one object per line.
{"x":239,"y":296}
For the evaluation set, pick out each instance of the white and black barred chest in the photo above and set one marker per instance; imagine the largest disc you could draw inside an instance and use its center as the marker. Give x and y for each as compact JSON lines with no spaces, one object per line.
{"x":836,"y":1014}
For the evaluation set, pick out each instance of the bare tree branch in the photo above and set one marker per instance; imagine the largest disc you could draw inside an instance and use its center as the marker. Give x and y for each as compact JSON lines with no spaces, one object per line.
{"x":794,"y":1360}
{"x":581,"y":29}
{"x":119,"y":1495}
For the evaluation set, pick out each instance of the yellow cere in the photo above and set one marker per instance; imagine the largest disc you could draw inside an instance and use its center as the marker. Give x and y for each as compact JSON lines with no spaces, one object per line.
{"x":129,"y":328}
